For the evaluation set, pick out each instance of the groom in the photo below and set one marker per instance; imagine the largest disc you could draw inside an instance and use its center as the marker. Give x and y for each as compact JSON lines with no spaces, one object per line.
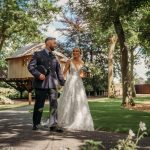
{"x":47,"y":73}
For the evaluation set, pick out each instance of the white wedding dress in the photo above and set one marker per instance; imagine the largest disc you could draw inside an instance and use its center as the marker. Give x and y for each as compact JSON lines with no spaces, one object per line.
{"x":73,"y":108}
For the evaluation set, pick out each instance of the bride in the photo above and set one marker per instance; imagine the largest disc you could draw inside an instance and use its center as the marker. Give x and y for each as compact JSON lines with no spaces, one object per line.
{"x":73,"y":108}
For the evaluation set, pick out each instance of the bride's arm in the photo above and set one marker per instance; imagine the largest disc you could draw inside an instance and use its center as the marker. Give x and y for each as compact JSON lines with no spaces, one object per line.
{"x":66,"y":68}
{"x":82,"y":74}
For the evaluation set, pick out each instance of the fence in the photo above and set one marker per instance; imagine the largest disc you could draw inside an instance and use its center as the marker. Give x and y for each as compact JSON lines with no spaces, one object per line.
{"x":142,"y":89}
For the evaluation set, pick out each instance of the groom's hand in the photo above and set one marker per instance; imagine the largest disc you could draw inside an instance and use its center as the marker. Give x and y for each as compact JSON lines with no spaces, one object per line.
{"x":42,"y":77}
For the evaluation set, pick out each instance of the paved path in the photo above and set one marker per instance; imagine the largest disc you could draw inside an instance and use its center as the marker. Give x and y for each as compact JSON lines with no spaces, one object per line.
{"x":16,"y":134}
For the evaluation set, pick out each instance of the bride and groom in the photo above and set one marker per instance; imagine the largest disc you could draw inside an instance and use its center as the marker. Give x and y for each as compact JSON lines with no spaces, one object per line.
{"x":71,"y":111}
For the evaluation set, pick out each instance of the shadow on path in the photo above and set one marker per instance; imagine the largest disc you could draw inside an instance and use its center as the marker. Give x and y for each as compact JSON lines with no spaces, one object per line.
{"x":16,"y":134}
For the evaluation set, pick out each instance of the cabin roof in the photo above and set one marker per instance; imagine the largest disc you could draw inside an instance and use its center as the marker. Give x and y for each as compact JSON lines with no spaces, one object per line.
{"x":29,"y":49}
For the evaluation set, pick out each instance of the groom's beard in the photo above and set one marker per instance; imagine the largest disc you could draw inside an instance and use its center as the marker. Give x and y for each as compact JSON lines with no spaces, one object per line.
{"x":51,"y":48}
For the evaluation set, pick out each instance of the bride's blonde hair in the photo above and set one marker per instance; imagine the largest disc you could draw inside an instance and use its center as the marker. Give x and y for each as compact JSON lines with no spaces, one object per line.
{"x":80,"y":51}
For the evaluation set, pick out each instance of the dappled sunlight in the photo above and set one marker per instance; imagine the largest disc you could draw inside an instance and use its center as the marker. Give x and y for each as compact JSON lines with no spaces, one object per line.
{"x":18,"y":127}
{"x":17,"y":132}
{"x":107,"y":117}
{"x":104,"y":100}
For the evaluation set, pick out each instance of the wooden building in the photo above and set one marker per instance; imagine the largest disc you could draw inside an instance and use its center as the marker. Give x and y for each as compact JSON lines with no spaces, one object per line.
{"x":142,"y":88}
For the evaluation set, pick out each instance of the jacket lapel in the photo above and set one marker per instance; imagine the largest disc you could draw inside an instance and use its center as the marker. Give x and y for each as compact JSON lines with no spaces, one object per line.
{"x":44,"y":53}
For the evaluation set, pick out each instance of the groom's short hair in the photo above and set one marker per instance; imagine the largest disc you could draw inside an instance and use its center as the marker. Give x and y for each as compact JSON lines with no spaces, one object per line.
{"x":49,"y":38}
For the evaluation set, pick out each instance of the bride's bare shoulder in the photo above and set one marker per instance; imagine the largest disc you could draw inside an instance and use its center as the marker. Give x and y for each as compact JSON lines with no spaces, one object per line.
{"x":82,"y":62}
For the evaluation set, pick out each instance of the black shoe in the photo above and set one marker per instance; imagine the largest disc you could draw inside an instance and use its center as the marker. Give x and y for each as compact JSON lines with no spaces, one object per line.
{"x":56,"y":129}
{"x":35,"y":127}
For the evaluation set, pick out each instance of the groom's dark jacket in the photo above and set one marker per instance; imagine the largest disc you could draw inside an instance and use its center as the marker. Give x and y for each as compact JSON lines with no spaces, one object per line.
{"x":42,"y":58}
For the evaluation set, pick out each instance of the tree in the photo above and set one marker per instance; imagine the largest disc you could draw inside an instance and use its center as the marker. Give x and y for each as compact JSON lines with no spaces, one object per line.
{"x":112,"y":14}
{"x":21,"y":19}
{"x":144,"y":28}
{"x":77,"y":34}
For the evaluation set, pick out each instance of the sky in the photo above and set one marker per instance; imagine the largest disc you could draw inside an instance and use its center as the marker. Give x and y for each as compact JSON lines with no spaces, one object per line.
{"x":140,"y":68}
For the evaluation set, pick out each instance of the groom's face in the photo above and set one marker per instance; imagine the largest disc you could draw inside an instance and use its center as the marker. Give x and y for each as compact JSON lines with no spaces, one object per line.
{"x":51,"y":44}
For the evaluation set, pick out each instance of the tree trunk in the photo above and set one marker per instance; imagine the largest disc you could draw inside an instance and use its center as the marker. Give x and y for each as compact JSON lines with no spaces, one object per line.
{"x":131,"y":72}
{"x":30,"y":98}
{"x":124,"y":60}
{"x":2,"y":40}
{"x":112,"y":44}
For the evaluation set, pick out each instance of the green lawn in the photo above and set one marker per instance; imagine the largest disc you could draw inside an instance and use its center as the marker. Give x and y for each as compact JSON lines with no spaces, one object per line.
{"x":108,"y":115}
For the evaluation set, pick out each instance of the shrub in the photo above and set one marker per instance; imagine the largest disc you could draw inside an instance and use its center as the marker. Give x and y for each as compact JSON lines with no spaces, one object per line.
{"x":4,"y":100}
{"x":9,"y":92}
{"x":130,"y":143}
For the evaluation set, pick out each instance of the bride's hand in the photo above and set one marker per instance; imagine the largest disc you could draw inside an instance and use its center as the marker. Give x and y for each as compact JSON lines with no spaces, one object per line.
{"x":82,"y":74}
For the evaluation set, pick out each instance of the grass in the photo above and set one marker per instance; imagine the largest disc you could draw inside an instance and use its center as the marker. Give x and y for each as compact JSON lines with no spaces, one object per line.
{"x":5,"y":107}
{"x":108,"y":115}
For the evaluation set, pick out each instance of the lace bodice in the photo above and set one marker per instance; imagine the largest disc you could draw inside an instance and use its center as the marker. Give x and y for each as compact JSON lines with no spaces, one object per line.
{"x":74,"y":70}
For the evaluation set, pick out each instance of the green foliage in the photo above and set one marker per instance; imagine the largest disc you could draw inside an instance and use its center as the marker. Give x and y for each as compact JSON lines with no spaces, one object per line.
{"x":103,"y":12}
{"x":20,"y":20}
{"x":9,"y":92}
{"x":144,"y":28}
{"x":4,"y":85}
{"x":97,"y":80}
{"x":100,"y":16}
{"x":118,"y":16}
{"x":148,"y":77}
{"x":2,"y":60}
{"x":130,"y":143}
{"x":5,"y":101}
{"x":78,"y":34}
{"x":93,"y":145}
{"x":88,"y":86}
